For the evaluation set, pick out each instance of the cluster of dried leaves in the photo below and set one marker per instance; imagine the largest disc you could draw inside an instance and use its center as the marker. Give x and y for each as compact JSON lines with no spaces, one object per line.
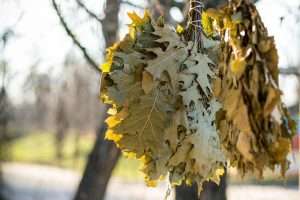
{"x":165,"y":111}
{"x":162,"y":110}
{"x":254,"y":127}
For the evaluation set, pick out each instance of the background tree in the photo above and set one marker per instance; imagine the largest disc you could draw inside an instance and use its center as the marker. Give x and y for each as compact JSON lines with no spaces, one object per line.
{"x":5,"y":104}
{"x":41,"y":87}
{"x":104,"y":155}
{"x":62,"y":122}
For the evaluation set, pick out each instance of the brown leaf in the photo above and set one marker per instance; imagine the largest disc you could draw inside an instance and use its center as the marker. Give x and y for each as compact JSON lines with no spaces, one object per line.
{"x":272,"y":100}
{"x":147,"y":82}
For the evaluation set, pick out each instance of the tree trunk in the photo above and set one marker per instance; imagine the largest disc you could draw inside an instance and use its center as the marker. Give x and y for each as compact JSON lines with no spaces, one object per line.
{"x":211,"y":191}
{"x":185,"y":192}
{"x":105,"y":154}
{"x":110,"y":24}
{"x":101,"y":163}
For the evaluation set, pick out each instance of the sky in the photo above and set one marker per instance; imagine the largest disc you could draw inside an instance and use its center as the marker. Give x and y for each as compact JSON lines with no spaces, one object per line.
{"x":40,"y":38}
{"x":287,"y":38}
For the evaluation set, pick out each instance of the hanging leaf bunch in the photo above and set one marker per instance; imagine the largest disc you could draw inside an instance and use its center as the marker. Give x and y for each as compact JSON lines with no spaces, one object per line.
{"x":162,"y":109}
{"x":182,"y":114}
{"x":254,"y":126}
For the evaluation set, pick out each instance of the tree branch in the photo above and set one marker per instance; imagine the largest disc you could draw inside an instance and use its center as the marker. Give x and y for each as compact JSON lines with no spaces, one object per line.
{"x":90,"y":13}
{"x":132,"y":4}
{"x":290,"y":71}
{"x":89,"y":59}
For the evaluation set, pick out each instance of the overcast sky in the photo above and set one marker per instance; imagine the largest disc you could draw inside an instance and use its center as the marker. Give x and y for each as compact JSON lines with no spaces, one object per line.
{"x":39,"y":36}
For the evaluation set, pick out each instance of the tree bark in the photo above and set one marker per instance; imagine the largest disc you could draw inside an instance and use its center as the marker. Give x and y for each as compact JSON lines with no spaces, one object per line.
{"x":110,"y":24}
{"x":211,"y":191}
{"x":185,"y":192}
{"x":104,"y":154}
{"x":101,"y":163}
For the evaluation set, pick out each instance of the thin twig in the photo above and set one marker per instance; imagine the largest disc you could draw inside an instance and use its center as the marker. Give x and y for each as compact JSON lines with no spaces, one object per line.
{"x":290,"y":71}
{"x":88,"y":11}
{"x":132,"y":4}
{"x":89,"y":59}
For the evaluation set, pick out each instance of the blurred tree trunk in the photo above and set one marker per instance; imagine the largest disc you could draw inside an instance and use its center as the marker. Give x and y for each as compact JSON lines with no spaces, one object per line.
{"x":5,"y":117}
{"x":4,"y":114}
{"x":62,"y":125}
{"x":184,"y":192}
{"x":101,"y":162}
{"x":105,"y":154}
{"x":211,"y":191}
{"x":76,"y":152}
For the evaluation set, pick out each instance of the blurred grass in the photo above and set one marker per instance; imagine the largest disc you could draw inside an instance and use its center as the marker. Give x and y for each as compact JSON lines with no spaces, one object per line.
{"x":39,"y":148}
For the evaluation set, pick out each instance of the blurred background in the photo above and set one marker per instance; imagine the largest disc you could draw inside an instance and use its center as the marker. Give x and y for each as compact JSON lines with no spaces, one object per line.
{"x":51,"y":119}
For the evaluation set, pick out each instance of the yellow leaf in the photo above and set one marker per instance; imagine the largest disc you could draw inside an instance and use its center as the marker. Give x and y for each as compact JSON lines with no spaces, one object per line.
{"x":207,"y":24}
{"x":238,"y":66}
{"x":147,"y":15}
{"x":110,"y":135}
{"x":216,"y":17}
{"x":112,"y":121}
{"x":129,"y":154}
{"x":179,"y":29}
{"x":213,"y":13}
{"x":151,"y":183}
{"x":137,"y":20}
{"x":105,"y":67}
{"x":132,"y":33}
{"x":112,"y":111}
{"x":219,"y":172}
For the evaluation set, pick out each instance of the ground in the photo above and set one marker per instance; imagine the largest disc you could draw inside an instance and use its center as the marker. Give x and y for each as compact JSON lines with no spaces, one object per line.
{"x":36,"y":182}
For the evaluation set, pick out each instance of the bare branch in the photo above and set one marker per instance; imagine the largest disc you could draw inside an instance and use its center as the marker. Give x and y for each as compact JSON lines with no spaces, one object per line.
{"x":132,"y":4}
{"x":290,"y":71}
{"x":90,"y":13}
{"x":89,"y":59}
